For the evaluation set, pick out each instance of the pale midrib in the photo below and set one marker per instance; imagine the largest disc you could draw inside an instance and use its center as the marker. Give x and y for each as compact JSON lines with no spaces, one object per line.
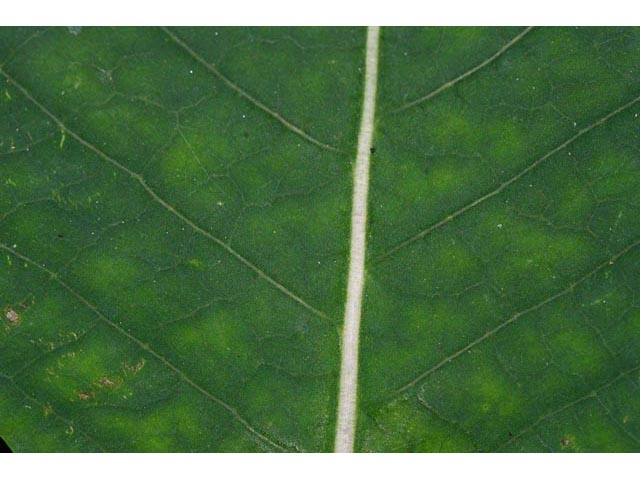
{"x":347,"y":404}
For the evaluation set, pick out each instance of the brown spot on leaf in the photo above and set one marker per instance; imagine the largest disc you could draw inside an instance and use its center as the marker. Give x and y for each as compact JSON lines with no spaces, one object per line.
{"x":84,"y":396}
{"x":566,"y":442}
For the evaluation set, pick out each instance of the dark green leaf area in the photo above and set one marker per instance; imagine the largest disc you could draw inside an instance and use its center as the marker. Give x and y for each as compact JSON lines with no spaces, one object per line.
{"x":501,"y":311}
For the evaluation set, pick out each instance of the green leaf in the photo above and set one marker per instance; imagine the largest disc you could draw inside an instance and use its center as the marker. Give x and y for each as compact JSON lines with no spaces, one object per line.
{"x":176,"y":238}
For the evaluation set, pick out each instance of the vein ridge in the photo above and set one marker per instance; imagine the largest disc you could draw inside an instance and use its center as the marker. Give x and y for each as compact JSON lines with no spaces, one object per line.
{"x":347,"y":405}
{"x":552,"y":413}
{"x":243,"y":93}
{"x":140,"y":179}
{"x":466,"y":74}
{"x":517,"y":315}
{"x":54,"y":276}
{"x":507,"y":182}
{"x":65,"y":420}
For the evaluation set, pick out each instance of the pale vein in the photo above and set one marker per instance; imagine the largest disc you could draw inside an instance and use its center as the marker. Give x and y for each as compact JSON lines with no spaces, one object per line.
{"x":466,"y":74}
{"x":347,"y":404}
{"x":517,"y":315}
{"x":144,"y":346}
{"x":509,"y":181}
{"x":243,"y":93}
{"x":140,"y":179}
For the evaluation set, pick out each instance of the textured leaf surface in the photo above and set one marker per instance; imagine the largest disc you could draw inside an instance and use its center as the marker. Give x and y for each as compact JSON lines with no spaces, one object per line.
{"x":174,"y":228}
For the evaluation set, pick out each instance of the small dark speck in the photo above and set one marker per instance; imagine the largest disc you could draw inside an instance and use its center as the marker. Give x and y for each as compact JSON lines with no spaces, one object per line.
{"x":510,"y":434}
{"x":60,"y":235}
{"x":245,"y":135}
{"x":372,"y":150}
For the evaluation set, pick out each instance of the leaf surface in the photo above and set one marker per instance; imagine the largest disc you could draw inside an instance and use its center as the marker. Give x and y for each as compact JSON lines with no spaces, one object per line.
{"x":175,"y":210}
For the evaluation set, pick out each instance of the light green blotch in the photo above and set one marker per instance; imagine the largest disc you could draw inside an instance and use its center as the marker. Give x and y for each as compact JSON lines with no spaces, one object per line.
{"x":130,"y":131}
{"x":105,"y":272}
{"x":608,"y":301}
{"x":482,"y":302}
{"x":446,"y":177}
{"x":457,"y":267}
{"x":574,"y":206}
{"x":442,"y":177}
{"x":75,"y":78}
{"x":506,"y":143}
{"x":28,"y":429}
{"x":311,"y":350}
{"x":74,"y":82}
{"x":406,"y":426}
{"x":533,"y":359}
{"x":579,"y":351}
{"x":182,"y":163}
{"x":453,"y":128}
{"x":614,"y":177}
{"x":582,"y":68}
{"x":241,"y":442}
{"x":194,"y":262}
{"x":626,"y":413}
{"x":591,"y":429}
{"x":412,"y":177}
{"x":219,"y":333}
{"x":536,"y":252}
{"x":230,"y":346}
{"x":188,"y":176}
{"x":295,"y":410}
{"x":435,"y":315}
{"x":28,"y":226}
{"x":327,"y":211}
{"x":293,"y":231}
{"x":163,"y":428}
{"x":462,"y":37}
{"x":494,"y":394}
{"x":568,"y":442}
{"x":70,"y":373}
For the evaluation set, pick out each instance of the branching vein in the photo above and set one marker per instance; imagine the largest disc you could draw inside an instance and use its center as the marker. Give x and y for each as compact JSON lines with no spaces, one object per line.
{"x":466,"y":74}
{"x":516,"y":316}
{"x":140,"y":179}
{"x":243,"y":93}
{"x":144,"y":346}
{"x":507,"y":182}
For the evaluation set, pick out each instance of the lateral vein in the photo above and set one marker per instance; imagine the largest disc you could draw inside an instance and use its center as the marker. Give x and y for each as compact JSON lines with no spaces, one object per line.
{"x":166,"y":205}
{"x":146,"y":347}
{"x":507,"y":182}
{"x":466,"y":74}
{"x":567,"y":290}
{"x":346,"y":422}
{"x":243,"y":93}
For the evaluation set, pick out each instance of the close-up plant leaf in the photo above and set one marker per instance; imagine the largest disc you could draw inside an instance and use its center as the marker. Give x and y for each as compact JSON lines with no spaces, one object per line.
{"x":320,"y":239}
